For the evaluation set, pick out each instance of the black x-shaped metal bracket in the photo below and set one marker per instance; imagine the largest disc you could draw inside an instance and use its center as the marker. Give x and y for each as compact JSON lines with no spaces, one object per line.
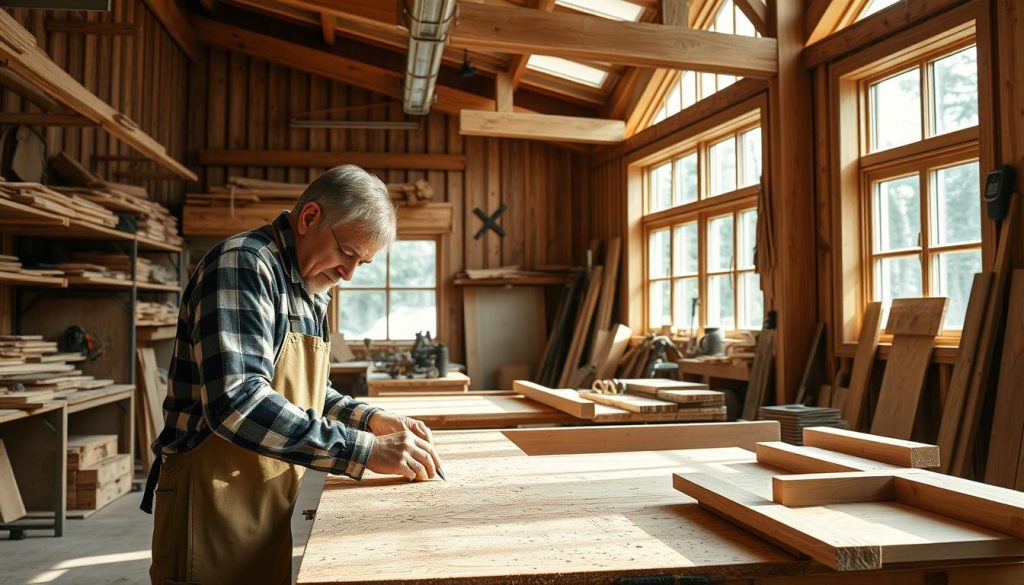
{"x":490,"y":221}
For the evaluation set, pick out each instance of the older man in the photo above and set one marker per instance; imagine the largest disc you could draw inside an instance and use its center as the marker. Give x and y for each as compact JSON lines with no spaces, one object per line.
{"x":249,"y":406}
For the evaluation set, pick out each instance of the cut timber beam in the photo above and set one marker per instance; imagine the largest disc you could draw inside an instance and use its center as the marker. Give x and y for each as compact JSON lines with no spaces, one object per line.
{"x":27,"y":119}
{"x":822,"y":18}
{"x":541,"y":127}
{"x":874,"y":447}
{"x":780,"y":524}
{"x":91,"y":28}
{"x":568,"y":401}
{"x":812,"y":459}
{"x":329,"y":24}
{"x":327,"y":64}
{"x":23,"y":56}
{"x":522,"y":31}
{"x":517,"y":67}
{"x":823,"y":489}
{"x":177,"y":25}
{"x":310,"y":158}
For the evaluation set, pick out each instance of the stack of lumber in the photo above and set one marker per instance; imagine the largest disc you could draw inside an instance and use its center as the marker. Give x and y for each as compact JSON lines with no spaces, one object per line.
{"x":154,"y":220}
{"x":72,"y":206}
{"x":794,"y":418}
{"x":32,"y":372}
{"x":117,"y":266}
{"x":672,"y":401}
{"x":245,"y":191}
{"x":155,"y":314}
{"x":97,"y":473}
{"x":150,"y":390}
{"x":742,"y":351}
{"x":11,"y":265}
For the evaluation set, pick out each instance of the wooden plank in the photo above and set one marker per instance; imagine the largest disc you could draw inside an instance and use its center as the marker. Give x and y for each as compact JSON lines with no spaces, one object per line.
{"x":760,"y":374}
{"x":11,"y":505}
{"x":567,"y":401}
{"x":884,"y":449}
{"x":653,"y":386}
{"x":309,"y":158}
{"x":541,"y":127}
{"x":87,"y":450}
{"x":823,"y":489}
{"x":959,"y":384}
{"x":991,"y":507}
{"x":916,"y":316}
{"x":779,"y":524}
{"x":516,"y":31}
{"x":34,"y":119}
{"x":105,"y":471}
{"x":150,"y":416}
{"x":798,"y":459}
{"x":1004,"y":451}
{"x":329,"y":25}
{"x":914,"y":323}
{"x":632,"y":403}
{"x":863,"y":362}
{"x":561,"y":441}
{"x":613,"y":253}
{"x":606,"y":364}
{"x":584,"y":316}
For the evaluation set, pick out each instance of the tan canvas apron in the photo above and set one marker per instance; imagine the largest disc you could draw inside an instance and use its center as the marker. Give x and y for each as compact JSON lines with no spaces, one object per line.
{"x":223,"y":512}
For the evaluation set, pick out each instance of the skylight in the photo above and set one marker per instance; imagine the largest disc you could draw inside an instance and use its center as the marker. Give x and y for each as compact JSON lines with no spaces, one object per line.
{"x":566,"y":69}
{"x":875,"y":6}
{"x":613,"y":9}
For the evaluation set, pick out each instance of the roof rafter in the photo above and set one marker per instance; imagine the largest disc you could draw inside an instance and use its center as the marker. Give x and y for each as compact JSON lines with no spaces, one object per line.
{"x":518,"y":66}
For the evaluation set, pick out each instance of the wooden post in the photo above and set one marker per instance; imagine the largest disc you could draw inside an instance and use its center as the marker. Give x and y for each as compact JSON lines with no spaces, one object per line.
{"x":792,"y":196}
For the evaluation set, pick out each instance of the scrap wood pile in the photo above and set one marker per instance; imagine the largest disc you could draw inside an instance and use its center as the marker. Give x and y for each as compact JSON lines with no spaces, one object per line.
{"x":584,"y":344}
{"x":153,"y":220}
{"x":243,"y":191}
{"x":33,"y":372}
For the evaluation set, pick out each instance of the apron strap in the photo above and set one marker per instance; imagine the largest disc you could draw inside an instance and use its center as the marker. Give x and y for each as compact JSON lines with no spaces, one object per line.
{"x":151,"y":481}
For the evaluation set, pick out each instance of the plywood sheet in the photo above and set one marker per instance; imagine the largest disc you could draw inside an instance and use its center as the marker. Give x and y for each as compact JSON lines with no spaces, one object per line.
{"x":502,"y":325}
{"x":11,"y":506}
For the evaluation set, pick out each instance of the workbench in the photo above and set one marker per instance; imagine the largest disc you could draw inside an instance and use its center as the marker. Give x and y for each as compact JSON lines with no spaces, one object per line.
{"x":502,"y":409}
{"x":378,"y":383}
{"x":577,"y":505}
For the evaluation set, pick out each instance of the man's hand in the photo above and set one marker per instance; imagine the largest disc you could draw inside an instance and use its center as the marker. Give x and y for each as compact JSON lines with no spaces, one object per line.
{"x":383,"y":423}
{"x":404,"y":447}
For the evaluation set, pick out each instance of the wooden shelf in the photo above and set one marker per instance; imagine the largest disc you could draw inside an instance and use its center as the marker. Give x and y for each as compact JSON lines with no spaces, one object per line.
{"x":73,"y":229}
{"x":17,"y":214}
{"x":17,"y":278}
{"x":74,"y":281}
{"x":149,"y":244}
{"x":23,"y":57}
{"x":714,"y":370}
{"x":157,"y":286}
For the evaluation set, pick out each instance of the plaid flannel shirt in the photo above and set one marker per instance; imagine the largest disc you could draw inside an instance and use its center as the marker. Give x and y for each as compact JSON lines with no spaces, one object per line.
{"x":235,"y":313}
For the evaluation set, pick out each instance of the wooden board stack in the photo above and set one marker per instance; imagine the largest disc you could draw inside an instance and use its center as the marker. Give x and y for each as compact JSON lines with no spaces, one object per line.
{"x":73,"y":206}
{"x":246,"y":191}
{"x":689,"y":401}
{"x":155,"y":314}
{"x":97,"y":473}
{"x":42,"y":372}
{"x":117,"y":266}
{"x":11,"y":265}
{"x":794,"y":418}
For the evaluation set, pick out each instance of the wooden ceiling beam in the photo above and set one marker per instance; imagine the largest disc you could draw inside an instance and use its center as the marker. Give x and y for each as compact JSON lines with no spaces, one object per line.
{"x":518,"y":66}
{"x":756,"y":12}
{"x":541,"y":127}
{"x":326,"y":64}
{"x":571,"y":36}
{"x":176,"y":23}
{"x":329,"y":24}
{"x":822,"y":18}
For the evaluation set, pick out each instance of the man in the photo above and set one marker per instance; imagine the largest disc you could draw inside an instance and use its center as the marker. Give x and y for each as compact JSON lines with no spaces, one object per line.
{"x":249,"y":405}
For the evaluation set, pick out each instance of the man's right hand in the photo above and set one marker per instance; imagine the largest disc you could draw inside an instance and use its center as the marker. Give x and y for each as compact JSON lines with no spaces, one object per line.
{"x":403,"y":453}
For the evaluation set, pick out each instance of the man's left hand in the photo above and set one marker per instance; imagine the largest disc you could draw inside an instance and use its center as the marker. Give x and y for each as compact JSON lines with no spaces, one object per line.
{"x":384,"y":423}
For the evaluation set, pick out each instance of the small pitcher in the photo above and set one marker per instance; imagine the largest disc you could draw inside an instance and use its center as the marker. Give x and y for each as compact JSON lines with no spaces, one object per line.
{"x":713,"y":342}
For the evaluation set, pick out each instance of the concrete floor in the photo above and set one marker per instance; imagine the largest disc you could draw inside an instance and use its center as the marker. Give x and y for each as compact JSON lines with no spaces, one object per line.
{"x":112,"y":546}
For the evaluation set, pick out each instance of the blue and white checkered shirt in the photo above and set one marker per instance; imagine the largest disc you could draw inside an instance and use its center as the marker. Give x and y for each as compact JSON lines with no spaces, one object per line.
{"x":234,"y":317}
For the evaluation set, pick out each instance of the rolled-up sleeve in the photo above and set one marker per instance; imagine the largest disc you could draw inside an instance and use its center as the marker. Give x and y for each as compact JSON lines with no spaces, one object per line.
{"x":233,"y":341}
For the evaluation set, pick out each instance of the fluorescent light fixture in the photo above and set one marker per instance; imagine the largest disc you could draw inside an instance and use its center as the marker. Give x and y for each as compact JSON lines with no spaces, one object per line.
{"x":428,"y":22}
{"x":613,"y":9}
{"x":566,"y":69}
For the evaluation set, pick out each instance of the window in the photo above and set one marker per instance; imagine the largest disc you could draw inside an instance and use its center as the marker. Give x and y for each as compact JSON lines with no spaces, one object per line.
{"x":566,"y":69}
{"x":393,"y":297}
{"x":692,"y":86}
{"x":701,"y":228}
{"x":874,"y":6}
{"x":612,"y":9}
{"x":920,"y":181}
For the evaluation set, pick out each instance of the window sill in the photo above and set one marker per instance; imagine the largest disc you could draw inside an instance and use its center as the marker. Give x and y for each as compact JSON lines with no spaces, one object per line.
{"x":943,"y":354}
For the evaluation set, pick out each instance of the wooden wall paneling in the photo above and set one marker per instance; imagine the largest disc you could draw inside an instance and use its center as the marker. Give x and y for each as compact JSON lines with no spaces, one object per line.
{"x":103,"y":91}
{"x":475,"y":179}
{"x":455,"y":249}
{"x":257,"y":113}
{"x":238,"y":103}
{"x":437,"y":129}
{"x":416,"y":143}
{"x":89,"y":79}
{"x":298,"y":85}
{"x":217,"y":100}
{"x":336,"y":138}
{"x":398,"y":142}
{"x":513,"y":178}
{"x":126,"y":88}
{"x":492,"y":241}
{"x":197,"y":113}
{"x":377,"y":139}
{"x":317,"y":102}
{"x":277,"y":116}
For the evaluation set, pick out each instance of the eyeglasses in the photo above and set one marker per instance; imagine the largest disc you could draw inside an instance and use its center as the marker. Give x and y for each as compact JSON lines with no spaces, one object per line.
{"x":341,"y":251}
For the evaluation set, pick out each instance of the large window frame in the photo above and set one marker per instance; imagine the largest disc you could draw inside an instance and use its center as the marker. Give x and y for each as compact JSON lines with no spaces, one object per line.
{"x":705,"y":209}
{"x":856,"y":168}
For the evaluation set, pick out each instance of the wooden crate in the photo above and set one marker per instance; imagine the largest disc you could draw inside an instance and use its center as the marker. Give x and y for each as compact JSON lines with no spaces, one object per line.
{"x":87,"y":450}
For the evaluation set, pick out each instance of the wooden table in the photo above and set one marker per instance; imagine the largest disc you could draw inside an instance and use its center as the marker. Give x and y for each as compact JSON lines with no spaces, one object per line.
{"x":377,"y":382}
{"x":709,"y":370}
{"x":560,"y":515}
{"x":502,"y":409}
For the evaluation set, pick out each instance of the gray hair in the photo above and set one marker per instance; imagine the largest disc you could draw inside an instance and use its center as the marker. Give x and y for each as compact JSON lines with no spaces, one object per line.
{"x":347,"y":194}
